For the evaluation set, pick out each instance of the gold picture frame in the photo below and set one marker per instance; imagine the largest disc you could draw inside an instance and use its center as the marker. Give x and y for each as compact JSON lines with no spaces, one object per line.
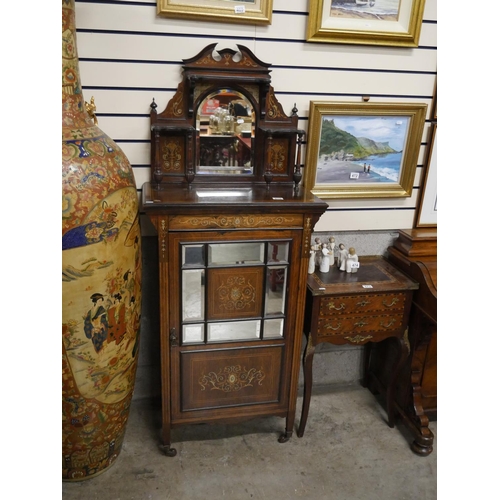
{"x":233,"y":11}
{"x":427,"y":209}
{"x":363,"y":150}
{"x":365,"y":22}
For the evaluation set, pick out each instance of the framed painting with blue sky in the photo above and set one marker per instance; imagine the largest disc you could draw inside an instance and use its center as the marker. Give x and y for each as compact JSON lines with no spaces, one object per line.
{"x":369,"y":22}
{"x":363,"y":150}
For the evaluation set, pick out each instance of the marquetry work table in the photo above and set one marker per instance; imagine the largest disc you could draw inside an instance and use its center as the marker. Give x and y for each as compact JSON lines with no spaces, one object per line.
{"x":362,"y":308}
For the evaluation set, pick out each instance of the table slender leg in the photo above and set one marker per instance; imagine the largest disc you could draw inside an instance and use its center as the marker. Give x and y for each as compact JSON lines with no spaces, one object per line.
{"x":367,"y":350}
{"x":403,"y":354}
{"x":307,"y":364}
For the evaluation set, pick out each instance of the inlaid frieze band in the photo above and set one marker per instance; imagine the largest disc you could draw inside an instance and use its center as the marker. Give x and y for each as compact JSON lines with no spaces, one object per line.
{"x":236,"y":222}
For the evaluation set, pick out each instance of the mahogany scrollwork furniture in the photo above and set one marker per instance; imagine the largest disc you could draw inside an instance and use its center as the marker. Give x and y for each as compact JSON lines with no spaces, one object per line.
{"x":415,"y":253}
{"x":365,"y":308}
{"x":234,"y":227}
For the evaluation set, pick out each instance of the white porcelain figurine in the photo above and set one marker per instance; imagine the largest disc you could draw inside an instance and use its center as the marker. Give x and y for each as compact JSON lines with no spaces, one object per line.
{"x":312,"y":261}
{"x":331,"y":250}
{"x":317,"y":248}
{"x":324,"y":267}
{"x":342,"y":257}
{"x":351,"y":258}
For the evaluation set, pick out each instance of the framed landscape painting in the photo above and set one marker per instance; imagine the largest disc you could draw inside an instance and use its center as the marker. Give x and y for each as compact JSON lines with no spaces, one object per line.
{"x":234,"y":11}
{"x":369,"y":22}
{"x":363,"y":150}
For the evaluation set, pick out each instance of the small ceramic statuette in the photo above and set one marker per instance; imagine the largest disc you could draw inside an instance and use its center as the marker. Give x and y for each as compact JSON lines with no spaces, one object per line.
{"x":312,"y":261}
{"x":342,"y":257}
{"x":331,"y":250}
{"x":324,"y":266}
{"x":317,"y":251}
{"x":351,"y":259}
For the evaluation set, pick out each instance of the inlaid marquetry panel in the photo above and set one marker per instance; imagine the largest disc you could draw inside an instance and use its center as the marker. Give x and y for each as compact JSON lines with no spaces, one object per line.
{"x":228,"y":377}
{"x":274,"y":108}
{"x":172,"y":155}
{"x":235,"y":293}
{"x":242,"y":221}
{"x":278,"y":155}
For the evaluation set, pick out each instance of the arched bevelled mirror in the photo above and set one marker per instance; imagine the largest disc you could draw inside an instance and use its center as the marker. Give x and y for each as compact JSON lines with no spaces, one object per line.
{"x":225,"y":130}
{"x":224,"y":119}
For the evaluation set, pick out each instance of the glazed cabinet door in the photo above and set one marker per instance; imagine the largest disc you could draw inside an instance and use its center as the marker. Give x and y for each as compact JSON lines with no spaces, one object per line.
{"x":230,"y":341}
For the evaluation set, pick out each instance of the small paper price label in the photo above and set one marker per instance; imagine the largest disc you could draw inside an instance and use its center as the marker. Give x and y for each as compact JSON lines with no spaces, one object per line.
{"x":367,"y":286}
{"x":239,"y":9}
{"x":354,"y":175}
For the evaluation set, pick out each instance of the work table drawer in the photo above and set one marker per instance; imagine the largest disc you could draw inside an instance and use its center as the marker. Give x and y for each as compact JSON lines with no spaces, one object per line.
{"x":332,"y":329}
{"x":353,"y":304}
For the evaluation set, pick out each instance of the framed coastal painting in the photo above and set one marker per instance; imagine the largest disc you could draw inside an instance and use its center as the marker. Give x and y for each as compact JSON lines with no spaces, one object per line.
{"x":363,"y":150}
{"x":234,"y":11}
{"x":427,"y":211}
{"x":368,"y":22}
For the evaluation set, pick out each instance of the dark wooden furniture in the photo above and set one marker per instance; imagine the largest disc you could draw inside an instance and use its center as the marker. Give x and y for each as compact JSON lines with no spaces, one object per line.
{"x":415,"y":253}
{"x":234,"y":245}
{"x":362,"y":308}
{"x":214,"y":85}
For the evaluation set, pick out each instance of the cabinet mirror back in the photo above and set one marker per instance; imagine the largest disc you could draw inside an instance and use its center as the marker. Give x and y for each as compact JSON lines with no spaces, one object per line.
{"x":224,"y":125}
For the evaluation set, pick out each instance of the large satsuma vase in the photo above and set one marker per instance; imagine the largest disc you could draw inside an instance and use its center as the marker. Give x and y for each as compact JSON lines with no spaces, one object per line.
{"x":101,"y":279}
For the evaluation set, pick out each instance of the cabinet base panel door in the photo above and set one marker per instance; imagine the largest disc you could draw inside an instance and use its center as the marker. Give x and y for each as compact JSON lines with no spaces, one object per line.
{"x":230,"y":377}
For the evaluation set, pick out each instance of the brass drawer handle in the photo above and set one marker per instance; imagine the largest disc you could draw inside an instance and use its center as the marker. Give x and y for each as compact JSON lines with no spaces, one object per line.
{"x":359,"y":338}
{"x":363,"y":303}
{"x":394,"y":301}
{"x":361,"y":323}
{"x":330,"y":327}
{"x":331,"y":306}
{"x":389,"y":324}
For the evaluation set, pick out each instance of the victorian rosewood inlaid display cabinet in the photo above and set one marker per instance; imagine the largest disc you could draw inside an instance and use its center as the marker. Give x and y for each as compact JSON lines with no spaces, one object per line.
{"x":234,"y":228}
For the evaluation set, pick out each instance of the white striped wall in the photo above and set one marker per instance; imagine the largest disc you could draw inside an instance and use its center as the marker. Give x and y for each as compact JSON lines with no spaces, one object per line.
{"x":128,"y":55}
